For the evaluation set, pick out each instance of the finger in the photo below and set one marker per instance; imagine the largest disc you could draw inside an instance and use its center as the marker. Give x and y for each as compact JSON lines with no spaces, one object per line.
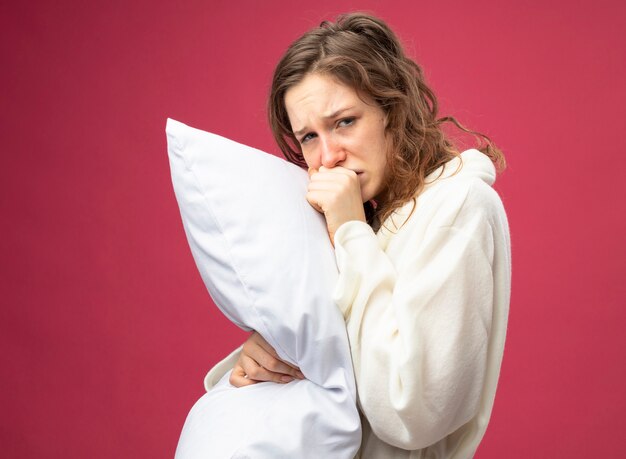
{"x":327,"y":175}
{"x":334,"y":181}
{"x":314,"y":204}
{"x":238,"y":377}
{"x":270,"y":360}
{"x":257,"y":372}
{"x":322,"y":198}
{"x":317,"y":201}
{"x":329,"y":186}
{"x":337,"y":170}
{"x":276,"y":366}
{"x":267,"y":358}
{"x":258,"y":339}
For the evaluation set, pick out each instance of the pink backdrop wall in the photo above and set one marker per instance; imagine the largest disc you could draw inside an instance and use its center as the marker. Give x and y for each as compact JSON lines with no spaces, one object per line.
{"x":106,"y":329}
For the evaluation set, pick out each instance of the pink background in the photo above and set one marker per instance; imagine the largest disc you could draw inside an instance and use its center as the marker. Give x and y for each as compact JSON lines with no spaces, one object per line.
{"x":106,"y":328}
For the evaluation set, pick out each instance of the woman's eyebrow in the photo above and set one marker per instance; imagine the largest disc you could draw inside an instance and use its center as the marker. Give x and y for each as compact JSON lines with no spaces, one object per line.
{"x":334,"y":114}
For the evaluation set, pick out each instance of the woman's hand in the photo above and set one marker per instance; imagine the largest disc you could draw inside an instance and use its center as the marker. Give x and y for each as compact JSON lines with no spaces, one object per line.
{"x":259,"y":362}
{"x":336,"y":193}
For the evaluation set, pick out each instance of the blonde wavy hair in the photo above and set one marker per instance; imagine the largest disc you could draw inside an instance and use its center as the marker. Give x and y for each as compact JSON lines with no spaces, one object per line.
{"x":363,"y":53}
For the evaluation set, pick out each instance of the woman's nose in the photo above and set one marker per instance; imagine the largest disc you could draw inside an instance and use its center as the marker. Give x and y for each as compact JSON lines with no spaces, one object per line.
{"x":332,"y":153}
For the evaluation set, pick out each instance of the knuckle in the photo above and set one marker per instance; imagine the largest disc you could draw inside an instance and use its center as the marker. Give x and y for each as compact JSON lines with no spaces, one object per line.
{"x":255,"y":373}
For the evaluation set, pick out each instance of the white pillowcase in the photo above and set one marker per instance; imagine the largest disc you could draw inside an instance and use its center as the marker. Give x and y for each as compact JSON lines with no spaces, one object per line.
{"x":266,"y":259}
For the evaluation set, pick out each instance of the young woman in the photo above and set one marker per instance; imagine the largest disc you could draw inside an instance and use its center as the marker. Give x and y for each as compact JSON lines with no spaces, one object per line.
{"x":421,"y":239}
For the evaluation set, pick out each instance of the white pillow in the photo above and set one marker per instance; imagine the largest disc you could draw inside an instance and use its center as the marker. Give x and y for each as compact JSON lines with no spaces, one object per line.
{"x":265,"y":257}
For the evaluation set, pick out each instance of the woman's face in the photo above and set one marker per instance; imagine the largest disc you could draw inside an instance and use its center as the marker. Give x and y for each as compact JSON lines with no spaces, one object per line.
{"x":336,"y":128}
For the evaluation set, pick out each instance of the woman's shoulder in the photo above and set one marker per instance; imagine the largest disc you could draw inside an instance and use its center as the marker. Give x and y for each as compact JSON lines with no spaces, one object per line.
{"x":466,"y":180}
{"x":459,"y":191}
{"x":470,"y":166}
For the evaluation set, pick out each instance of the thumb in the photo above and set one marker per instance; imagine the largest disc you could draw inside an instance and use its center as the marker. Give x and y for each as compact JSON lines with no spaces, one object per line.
{"x":314,"y":204}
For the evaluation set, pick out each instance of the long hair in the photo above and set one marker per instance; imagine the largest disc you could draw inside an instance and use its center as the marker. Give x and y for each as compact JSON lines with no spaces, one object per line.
{"x":363,"y":53}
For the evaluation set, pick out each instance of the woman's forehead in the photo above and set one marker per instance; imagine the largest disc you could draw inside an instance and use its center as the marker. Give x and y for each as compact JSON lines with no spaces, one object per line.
{"x":319,"y":96}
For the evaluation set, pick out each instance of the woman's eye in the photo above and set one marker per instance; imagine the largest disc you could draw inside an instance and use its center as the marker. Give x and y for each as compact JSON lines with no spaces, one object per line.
{"x":307,"y":137}
{"x":345,"y":122}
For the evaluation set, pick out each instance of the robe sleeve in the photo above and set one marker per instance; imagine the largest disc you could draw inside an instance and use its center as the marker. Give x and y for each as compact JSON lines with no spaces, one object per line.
{"x":418,"y":326}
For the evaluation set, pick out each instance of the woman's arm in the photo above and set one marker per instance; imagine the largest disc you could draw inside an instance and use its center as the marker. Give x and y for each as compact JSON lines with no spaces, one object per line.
{"x":419,"y":318}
